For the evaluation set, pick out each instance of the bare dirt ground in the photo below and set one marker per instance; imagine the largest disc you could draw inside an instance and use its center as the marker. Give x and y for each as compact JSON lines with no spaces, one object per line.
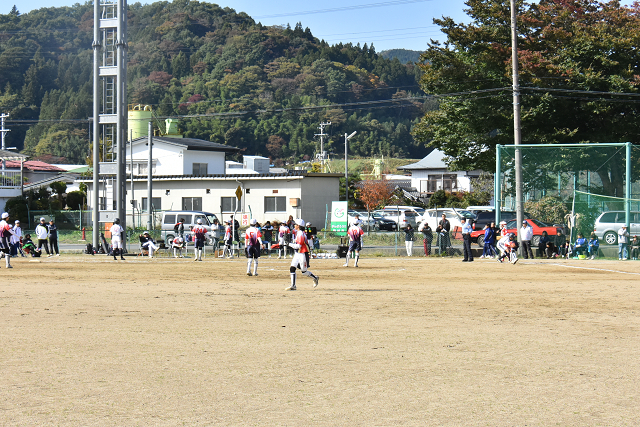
{"x":86,"y":341}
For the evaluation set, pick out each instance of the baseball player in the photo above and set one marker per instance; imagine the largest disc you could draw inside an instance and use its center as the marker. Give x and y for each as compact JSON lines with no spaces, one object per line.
{"x":355,"y":242}
{"x":148,"y":243}
{"x":199,"y":236}
{"x":228,"y":239}
{"x":177,"y":244}
{"x":301,"y":245}
{"x":6,"y":233}
{"x":16,"y":240}
{"x":116,"y":238}
{"x":283,"y":231}
{"x":42,"y":233}
{"x":253,"y":244}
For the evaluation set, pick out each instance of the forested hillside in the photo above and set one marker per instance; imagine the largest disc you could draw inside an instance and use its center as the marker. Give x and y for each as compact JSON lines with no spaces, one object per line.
{"x":264,"y":89}
{"x":403,"y":55}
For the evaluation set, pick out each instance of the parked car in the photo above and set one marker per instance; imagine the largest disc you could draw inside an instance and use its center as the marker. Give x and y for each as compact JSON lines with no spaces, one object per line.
{"x":367,"y":223}
{"x":419,"y":212}
{"x":433,"y":216}
{"x":399,"y":215}
{"x":170,"y":218}
{"x":554,"y":231}
{"x":486,"y":217}
{"x":608,"y":223}
{"x":384,"y":224}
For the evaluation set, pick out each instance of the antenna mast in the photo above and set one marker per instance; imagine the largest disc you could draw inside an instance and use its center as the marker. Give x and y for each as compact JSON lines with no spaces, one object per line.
{"x":322,"y":156}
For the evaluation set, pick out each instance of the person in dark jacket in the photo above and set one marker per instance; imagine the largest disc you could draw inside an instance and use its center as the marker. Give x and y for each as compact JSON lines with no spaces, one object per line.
{"x":488,"y":250}
{"x":53,"y":238}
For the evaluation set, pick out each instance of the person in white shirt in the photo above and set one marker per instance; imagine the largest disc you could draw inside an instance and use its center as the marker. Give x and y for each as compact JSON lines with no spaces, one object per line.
{"x":526,"y":234}
{"x":16,"y":239}
{"x":116,"y":238}
{"x":42,"y":233}
{"x":623,"y":243}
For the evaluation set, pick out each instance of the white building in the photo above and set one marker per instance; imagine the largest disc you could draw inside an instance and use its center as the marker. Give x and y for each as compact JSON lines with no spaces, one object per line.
{"x":431,"y":174}
{"x":191,"y":174}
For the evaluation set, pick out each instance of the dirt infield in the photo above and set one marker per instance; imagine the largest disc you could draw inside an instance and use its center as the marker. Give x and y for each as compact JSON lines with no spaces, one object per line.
{"x":397,"y":341}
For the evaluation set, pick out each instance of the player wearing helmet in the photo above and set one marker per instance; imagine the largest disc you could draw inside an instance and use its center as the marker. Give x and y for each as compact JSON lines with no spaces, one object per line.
{"x":116,"y":238}
{"x":301,"y":245}
{"x":253,"y":244}
{"x":355,"y":241}
{"x":199,"y":236}
{"x":5,"y":234}
{"x":511,"y":249}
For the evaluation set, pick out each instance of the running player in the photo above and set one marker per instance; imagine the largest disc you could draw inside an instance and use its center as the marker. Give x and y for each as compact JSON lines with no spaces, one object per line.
{"x":5,"y":235}
{"x":355,"y":234}
{"x":300,"y":244}
{"x":283,"y":232}
{"x":253,"y":245}
{"x":116,"y":238}
{"x":511,"y":249}
{"x":199,"y":236}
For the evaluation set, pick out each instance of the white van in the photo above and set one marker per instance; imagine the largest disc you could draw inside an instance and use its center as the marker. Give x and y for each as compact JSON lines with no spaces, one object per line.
{"x":171,"y":218}
{"x":402,"y":215}
{"x":433,"y":216}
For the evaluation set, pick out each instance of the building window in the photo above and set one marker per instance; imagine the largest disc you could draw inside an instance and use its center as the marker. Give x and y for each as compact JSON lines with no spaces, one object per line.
{"x":192,"y":203}
{"x":200,"y":169}
{"x":155,"y":203}
{"x":103,"y":203}
{"x":275,"y":204}
{"x":229,"y":204}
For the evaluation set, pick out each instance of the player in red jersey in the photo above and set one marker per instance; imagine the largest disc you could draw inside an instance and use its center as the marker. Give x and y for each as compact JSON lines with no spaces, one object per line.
{"x":283,"y":237}
{"x":355,"y":234}
{"x":253,"y":244}
{"x":301,"y":245}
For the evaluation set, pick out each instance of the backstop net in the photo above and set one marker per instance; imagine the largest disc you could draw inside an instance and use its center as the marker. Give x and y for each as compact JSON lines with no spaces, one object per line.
{"x":570,"y":184}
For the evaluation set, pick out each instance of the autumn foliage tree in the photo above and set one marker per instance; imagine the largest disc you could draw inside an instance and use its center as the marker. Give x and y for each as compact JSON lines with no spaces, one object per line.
{"x":375,"y":193}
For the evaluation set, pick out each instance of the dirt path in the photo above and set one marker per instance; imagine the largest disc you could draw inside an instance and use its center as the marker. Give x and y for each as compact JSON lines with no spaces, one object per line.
{"x":416,"y":342}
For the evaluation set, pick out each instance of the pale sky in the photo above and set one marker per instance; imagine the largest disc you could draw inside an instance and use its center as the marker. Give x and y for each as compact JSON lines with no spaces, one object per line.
{"x":388,"y":24}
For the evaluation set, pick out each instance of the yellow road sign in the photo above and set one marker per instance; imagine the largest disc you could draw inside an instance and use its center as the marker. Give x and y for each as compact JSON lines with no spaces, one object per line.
{"x":239,"y":193}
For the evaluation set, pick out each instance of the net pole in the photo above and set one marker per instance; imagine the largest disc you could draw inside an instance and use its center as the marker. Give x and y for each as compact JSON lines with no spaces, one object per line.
{"x":497,"y":184}
{"x":516,"y":117}
{"x":573,"y":216}
{"x":627,"y":205}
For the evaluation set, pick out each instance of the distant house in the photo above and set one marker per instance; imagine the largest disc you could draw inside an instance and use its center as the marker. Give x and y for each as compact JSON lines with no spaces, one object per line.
{"x":192,"y":174}
{"x":11,"y":180}
{"x":432,"y":174}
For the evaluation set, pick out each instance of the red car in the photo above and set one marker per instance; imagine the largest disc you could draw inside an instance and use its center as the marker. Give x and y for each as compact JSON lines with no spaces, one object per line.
{"x":556,"y":233}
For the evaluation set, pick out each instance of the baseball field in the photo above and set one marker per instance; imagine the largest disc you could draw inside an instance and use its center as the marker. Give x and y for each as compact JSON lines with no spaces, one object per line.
{"x":88,"y":341}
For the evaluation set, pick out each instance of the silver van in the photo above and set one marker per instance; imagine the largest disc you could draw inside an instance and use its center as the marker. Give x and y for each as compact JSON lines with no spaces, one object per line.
{"x":171,"y":218}
{"x":608,"y":223}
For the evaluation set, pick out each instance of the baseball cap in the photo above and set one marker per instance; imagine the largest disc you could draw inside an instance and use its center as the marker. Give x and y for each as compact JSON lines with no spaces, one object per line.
{"x":5,"y":215}
{"x":42,"y":219}
{"x":17,"y":221}
{"x":300,"y":222}
{"x":254,"y":221}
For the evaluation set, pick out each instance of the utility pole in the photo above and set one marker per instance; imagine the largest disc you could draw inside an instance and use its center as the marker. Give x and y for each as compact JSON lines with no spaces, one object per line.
{"x":517,"y":136}
{"x":4,"y":131}
{"x":346,"y":166}
{"x":322,"y":156}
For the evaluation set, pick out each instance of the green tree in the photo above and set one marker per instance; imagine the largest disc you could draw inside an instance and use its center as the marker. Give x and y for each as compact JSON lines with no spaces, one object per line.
{"x":565,"y":47}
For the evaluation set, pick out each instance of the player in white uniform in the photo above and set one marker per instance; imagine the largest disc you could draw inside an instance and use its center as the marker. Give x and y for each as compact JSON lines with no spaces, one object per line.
{"x":116,"y":238}
{"x":253,"y":245}
{"x":301,"y":245}
{"x":355,"y":241}
{"x":16,"y":239}
{"x":283,"y":231}
{"x":177,"y":244}
{"x":5,"y":236}
{"x":228,"y":239}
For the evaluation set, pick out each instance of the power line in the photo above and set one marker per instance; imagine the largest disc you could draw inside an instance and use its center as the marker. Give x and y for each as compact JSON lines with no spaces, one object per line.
{"x":342,"y":9}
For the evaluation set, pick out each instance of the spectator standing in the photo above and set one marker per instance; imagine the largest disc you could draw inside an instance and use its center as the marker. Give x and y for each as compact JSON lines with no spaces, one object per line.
{"x":53,"y":238}
{"x":526,"y":234}
{"x":623,"y":243}
{"x":443,"y":234}
{"x":427,"y":234}
{"x":42,"y":233}
{"x":489,"y":240}
{"x":267,"y":236}
{"x":635,"y":247}
{"x":408,"y":239}
{"x":179,"y":228}
{"x":593,"y":245}
{"x":16,"y":240}
{"x":466,"y":240}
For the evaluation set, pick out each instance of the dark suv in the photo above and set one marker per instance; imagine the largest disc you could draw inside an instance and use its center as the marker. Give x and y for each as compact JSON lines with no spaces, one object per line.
{"x":483,"y":218}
